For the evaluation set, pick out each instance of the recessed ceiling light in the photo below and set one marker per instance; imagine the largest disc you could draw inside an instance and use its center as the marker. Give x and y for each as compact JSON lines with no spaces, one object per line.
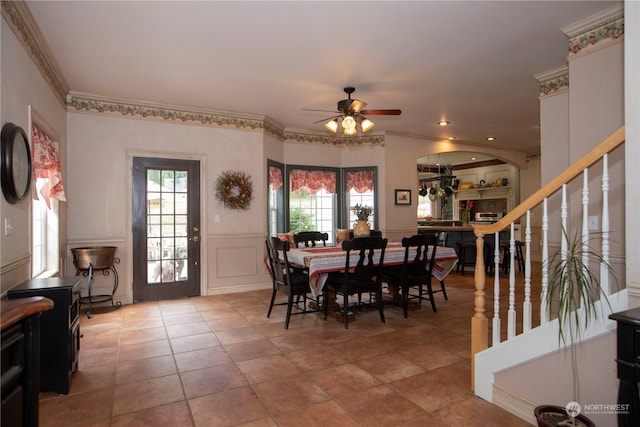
{"x":491,"y":138}
{"x":443,"y":122}
{"x":451,"y":138}
{"x":474,"y":158}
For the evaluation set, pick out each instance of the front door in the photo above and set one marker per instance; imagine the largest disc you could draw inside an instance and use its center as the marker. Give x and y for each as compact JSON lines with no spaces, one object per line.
{"x":166,"y":228}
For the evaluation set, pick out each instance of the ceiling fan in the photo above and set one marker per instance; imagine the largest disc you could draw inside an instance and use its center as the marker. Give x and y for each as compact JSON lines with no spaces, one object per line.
{"x":350,"y":112}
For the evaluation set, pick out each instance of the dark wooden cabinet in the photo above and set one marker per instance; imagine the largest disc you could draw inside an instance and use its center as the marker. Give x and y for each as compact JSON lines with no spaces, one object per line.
{"x":59,"y":329}
{"x":20,"y":321}
{"x":628,"y":361}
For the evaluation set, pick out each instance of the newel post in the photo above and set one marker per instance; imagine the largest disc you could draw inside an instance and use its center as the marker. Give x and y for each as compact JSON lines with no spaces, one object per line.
{"x":479,"y":322}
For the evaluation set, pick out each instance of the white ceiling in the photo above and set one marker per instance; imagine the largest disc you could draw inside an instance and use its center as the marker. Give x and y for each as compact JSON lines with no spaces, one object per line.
{"x":469,"y":62}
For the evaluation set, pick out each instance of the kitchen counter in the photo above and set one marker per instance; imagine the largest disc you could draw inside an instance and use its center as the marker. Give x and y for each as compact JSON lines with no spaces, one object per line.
{"x":448,"y":228}
{"x":439,"y":222}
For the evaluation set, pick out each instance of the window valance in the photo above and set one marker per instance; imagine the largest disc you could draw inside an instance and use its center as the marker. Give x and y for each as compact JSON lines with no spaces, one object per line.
{"x":312,"y":181}
{"x":360,"y":181}
{"x":275,"y":177}
{"x":47,"y":172}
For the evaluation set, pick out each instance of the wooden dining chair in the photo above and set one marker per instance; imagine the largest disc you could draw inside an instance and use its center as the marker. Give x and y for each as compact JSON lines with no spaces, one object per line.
{"x":292,"y":281}
{"x":310,"y":238}
{"x":363,"y":277}
{"x":416,"y":271}
{"x":372,"y":233}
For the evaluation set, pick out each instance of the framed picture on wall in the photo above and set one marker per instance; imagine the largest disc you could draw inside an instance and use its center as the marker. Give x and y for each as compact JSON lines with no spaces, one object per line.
{"x":403,"y":197}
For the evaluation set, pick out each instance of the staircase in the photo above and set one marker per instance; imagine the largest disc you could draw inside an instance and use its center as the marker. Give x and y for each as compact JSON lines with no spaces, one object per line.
{"x":511,"y":323}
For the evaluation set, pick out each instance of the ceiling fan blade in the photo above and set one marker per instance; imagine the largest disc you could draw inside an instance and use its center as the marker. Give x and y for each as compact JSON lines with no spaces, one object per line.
{"x":381,"y":112}
{"x":328,"y":118}
{"x":324,"y":111}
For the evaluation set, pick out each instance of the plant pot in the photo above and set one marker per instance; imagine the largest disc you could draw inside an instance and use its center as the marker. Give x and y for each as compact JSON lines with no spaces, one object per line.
{"x":552,"y":416}
{"x":361,"y":229}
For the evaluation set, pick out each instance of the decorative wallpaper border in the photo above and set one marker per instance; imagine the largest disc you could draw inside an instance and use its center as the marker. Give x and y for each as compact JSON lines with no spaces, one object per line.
{"x":604,"y":27}
{"x":553,"y":82}
{"x":89,"y":104}
{"x":533,"y":156}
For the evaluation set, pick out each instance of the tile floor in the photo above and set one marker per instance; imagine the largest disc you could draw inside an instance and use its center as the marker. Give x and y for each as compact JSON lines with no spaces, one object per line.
{"x":218,"y":361}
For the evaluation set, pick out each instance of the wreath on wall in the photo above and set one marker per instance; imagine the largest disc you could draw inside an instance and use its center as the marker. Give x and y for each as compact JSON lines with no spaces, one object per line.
{"x":234,"y":190}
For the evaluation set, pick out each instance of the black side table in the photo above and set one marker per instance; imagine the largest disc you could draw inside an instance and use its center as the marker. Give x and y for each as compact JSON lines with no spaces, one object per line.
{"x":628,"y":361}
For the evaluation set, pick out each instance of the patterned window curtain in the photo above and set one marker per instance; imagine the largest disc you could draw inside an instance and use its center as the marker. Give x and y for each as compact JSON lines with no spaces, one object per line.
{"x":46,"y":165}
{"x":360,"y":181}
{"x":312,"y":181}
{"x":275,"y":177}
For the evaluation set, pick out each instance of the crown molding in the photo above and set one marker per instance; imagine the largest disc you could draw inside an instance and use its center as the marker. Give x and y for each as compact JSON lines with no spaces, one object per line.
{"x":599,"y":30}
{"x":20,"y":19}
{"x":553,"y":82}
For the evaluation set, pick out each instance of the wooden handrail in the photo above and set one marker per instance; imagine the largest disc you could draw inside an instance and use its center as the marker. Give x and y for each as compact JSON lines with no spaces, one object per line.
{"x":576,"y":168}
{"x":479,"y":321}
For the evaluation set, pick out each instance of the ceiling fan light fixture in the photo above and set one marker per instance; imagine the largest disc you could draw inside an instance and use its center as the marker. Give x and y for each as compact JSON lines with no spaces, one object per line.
{"x":367,"y":125}
{"x":348,"y":123}
{"x":332,"y":125}
{"x":350,"y":131}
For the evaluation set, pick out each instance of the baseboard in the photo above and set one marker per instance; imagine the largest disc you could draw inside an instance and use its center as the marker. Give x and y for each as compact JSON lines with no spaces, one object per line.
{"x":233,"y":289}
{"x":521,"y":408}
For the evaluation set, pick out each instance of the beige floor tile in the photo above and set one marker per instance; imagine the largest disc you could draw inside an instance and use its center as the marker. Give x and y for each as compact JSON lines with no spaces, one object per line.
{"x":145,"y":394}
{"x":227,"y":408}
{"x":219,"y":361}
{"x":174,"y":415}
{"x":212,"y":380}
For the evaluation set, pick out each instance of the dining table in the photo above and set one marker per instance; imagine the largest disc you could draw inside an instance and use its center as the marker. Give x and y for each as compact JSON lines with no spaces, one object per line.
{"x":320,"y":261}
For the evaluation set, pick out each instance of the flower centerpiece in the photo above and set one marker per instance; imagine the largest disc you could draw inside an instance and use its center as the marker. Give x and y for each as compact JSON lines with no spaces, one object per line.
{"x":466,"y":211}
{"x":362,"y":227}
{"x":362,"y":212}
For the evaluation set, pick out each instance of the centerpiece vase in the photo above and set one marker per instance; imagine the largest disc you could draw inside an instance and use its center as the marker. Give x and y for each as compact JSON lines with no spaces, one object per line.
{"x":361,"y":229}
{"x":466,"y":217}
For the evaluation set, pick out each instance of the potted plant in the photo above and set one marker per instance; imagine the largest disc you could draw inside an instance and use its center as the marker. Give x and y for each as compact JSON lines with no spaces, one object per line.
{"x":572,"y":286}
{"x":362,"y":226}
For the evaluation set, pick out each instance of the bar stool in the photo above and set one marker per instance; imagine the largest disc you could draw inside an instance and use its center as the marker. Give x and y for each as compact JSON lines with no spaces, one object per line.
{"x":505,"y":248}
{"x":463,"y":247}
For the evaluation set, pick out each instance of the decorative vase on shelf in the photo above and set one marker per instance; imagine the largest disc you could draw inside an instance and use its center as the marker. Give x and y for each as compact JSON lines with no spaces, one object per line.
{"x":466,"y":217}
{"x":361,"y":229}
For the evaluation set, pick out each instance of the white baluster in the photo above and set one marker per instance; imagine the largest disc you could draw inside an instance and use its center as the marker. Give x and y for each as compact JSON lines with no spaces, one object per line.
{"x":544,"y":313}
{"x":526,"y":306}
{"x":585,"y":219}
{"x":511,"y":319}
{"x":496,"y":290}
{"x":604,"y":271}
{"x":564,"y":213}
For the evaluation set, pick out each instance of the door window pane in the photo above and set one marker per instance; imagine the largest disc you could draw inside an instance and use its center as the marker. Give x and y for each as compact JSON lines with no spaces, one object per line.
{"x":167,"y":229}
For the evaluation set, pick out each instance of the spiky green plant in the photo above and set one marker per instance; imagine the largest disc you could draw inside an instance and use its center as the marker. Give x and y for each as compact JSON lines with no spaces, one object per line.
{"x":575,"y":290}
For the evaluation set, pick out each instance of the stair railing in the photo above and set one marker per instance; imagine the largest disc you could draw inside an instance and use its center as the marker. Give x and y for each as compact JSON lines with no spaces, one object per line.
{"x":479,"y":321}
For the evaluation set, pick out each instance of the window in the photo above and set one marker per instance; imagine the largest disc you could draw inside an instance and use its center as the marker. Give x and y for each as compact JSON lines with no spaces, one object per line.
{"x":424,"y":206}
{"x":44,"y":253}
{"x":275,"y":198}
{"x":319,"y":198}
{"x":47,"y":192}
{"x":312,"y":199}
{"x":360,"y":190}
